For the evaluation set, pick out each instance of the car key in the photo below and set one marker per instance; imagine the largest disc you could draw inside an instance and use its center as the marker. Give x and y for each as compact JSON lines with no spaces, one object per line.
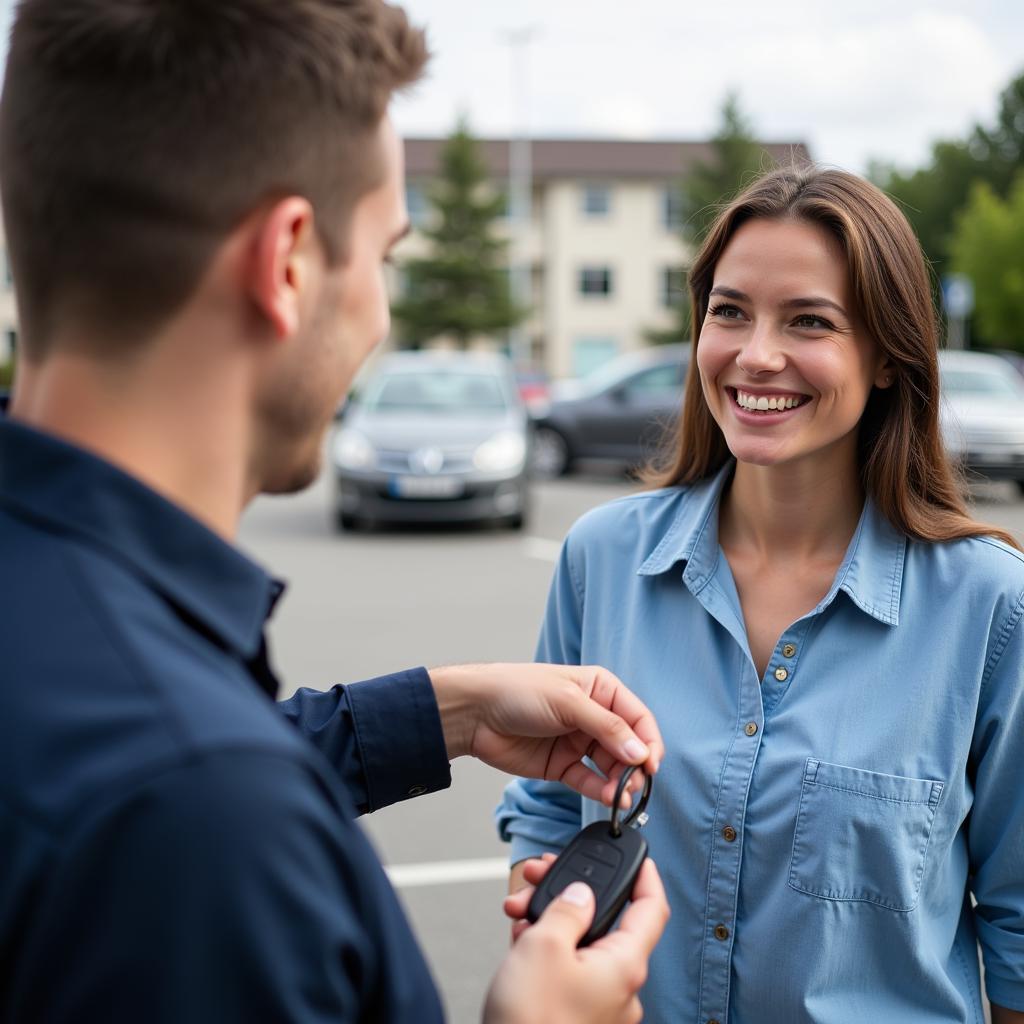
{"x":607,"y":855}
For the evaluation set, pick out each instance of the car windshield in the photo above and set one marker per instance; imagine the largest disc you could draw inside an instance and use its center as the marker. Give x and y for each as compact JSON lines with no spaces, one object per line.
{"x":437,"y":392}
{"x":979,"y":382}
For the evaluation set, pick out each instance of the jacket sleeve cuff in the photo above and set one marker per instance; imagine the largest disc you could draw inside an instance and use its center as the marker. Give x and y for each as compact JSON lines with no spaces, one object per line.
{"x":401,"y":743}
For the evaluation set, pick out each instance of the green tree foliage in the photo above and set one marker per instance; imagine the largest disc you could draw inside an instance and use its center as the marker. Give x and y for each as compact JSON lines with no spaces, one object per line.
{"x":461,"y":288}
{"x":988,"y":246}
{"x":932,"y":195}
{"x":736,"y":159}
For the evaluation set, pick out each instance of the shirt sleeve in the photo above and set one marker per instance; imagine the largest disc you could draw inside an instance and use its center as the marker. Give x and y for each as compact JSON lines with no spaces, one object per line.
{"x":383,"y":736}
{"x":996,"y":824}
{"x":226,"y":889}
{"x":537,"y":816}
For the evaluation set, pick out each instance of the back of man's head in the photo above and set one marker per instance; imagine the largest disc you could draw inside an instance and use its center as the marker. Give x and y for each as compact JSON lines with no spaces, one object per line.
{"x":135,"y":134}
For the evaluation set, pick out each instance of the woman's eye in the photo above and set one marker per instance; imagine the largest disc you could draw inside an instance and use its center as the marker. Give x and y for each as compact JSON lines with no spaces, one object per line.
{"x":815,"y":323}
{"x":727,"y":311}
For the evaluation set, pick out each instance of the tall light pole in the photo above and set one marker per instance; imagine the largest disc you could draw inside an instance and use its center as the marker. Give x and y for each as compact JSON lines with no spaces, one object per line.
{"x":520,"y":188}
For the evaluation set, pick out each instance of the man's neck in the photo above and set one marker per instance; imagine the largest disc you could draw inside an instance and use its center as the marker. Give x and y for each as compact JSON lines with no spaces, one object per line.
{"x":174,"y":424}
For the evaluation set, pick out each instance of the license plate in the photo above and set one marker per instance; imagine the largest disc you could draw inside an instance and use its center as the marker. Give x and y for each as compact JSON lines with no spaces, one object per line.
{"x":425,"y":487}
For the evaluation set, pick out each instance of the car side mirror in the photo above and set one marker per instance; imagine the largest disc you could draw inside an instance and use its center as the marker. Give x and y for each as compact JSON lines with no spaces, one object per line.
{"x":619,"y":395}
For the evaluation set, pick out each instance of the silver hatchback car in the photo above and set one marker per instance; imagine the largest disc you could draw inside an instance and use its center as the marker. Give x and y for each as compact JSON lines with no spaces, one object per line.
{"x":433,"y":437}
{"x":982,"y":414}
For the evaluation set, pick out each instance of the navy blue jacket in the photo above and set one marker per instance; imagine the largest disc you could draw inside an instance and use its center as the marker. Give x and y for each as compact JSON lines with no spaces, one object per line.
{"x":173,"y":847}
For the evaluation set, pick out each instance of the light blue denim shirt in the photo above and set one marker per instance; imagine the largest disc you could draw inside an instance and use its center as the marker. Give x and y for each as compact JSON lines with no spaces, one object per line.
{"x":820,"y":830}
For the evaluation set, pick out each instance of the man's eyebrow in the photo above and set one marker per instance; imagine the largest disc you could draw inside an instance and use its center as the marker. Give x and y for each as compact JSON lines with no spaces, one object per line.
{"x":801,"y":303}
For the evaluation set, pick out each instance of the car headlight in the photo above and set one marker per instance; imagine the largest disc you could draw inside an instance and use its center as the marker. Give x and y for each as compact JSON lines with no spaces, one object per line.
{"x":353,"y":450}
{"x":504,"y":451}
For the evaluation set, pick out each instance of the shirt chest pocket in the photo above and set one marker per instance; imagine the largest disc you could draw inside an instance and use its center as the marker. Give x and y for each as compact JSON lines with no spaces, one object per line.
{"x":862,"y":835}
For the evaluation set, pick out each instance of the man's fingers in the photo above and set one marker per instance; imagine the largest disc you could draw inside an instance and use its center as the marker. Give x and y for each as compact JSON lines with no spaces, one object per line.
{"x":648,"y":913}
{"x":606,"y":689}
{"x":609,"y":729}
{"x":586,"y":781}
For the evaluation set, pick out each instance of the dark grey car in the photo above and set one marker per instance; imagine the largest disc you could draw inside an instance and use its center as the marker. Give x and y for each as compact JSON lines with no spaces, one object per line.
{"x":621,"y":412}
{"x":440,"y":437}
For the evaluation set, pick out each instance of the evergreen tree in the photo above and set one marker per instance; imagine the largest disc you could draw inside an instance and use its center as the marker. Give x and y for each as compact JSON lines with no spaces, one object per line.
{"x":460,"y":288}
{"x":736,"y":159}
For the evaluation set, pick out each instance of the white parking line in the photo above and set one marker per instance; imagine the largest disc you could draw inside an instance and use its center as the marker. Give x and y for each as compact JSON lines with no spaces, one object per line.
{"x":447,"y":872}
{"x":542,"y":548}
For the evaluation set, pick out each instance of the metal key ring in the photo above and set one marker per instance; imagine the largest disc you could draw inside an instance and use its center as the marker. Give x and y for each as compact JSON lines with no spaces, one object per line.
{"x":638,"y":809}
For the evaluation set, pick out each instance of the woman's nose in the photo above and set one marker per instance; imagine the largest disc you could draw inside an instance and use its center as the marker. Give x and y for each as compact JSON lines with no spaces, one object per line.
{"x":761,"y":353}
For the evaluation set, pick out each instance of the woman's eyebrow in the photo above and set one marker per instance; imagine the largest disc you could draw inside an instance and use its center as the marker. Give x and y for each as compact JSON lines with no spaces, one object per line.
{"x":813,"y":300}
{"x":799,"y":303}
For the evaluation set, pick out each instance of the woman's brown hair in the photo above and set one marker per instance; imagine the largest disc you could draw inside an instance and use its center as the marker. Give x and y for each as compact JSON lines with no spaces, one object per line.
{"x":903,"y":462}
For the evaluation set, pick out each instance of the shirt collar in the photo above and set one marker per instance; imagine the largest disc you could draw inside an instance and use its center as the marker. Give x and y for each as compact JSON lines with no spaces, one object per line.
{"x":67,"y":490}
{"x":871,"y":573}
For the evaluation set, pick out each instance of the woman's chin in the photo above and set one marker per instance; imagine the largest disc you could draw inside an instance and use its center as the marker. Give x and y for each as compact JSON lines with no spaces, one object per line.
{"x":759,"y":454}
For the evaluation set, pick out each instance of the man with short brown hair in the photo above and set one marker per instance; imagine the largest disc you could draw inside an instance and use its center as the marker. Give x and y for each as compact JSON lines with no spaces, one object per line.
{"x":199,"y":197}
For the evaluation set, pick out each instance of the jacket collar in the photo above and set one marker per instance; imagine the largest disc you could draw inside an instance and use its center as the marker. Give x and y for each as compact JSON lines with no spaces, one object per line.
{"x":67,"y":490}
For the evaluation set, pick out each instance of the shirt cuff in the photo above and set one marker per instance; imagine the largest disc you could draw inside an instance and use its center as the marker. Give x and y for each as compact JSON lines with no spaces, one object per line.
{"x":1009,"y":994}
{"x":398,"y":728}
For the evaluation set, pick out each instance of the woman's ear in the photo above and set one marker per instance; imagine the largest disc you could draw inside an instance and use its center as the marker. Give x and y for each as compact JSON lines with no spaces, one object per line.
{"x":886,"y":375}
{"x":281,"y":266}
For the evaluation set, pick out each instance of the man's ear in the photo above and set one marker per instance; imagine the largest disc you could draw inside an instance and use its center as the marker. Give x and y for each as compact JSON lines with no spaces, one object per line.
{"x":282,"y":264}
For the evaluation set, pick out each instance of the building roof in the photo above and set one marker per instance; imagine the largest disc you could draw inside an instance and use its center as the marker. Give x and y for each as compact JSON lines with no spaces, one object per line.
{"x":592,"y":158}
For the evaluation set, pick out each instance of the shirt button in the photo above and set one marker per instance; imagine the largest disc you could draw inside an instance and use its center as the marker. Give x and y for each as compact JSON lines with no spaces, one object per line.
{"x":721,"y":932}
{"x":729,"y":834}
{"x":788,"y":650}
{"x":417,"y":791}
{"x":781,"y":674}
{"x":750,"y":728}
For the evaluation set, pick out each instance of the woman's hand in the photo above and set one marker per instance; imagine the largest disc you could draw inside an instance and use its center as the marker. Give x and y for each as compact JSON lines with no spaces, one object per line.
{"x":541,"y":720}
{"x":545,"y":977}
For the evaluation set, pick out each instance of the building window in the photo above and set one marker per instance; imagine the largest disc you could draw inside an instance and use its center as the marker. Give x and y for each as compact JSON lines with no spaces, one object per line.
{"x":595,"y":282}
{"x":588,"y":353}
{"x":672,"y":208}
{"x":673,"y":287}
{"x":417,"y":204}
{"x":597,"y":200}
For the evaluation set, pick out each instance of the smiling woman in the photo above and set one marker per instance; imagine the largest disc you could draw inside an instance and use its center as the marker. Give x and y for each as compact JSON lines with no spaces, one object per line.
{"x":831,"y":644}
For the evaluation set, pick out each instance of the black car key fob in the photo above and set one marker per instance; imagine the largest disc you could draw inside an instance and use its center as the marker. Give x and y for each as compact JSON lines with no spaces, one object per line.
{"x":607,"y":855}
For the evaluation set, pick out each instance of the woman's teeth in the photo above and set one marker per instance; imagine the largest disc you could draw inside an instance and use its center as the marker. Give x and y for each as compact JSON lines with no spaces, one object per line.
{"x":767,"y":403}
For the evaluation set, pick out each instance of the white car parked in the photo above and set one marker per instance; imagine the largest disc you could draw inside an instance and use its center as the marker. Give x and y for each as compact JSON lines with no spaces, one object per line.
{"x":983,"y":414}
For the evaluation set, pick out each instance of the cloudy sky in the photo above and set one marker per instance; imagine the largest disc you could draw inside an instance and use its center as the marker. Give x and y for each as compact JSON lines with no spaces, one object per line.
{"x":856,"y":80}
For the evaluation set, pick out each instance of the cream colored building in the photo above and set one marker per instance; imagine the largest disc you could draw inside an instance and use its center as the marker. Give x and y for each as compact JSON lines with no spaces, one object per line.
{"x":604,"y":242}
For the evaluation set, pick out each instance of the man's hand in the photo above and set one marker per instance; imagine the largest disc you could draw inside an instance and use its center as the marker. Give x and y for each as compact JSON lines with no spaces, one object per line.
{"x":540,"y":721}
{"x":545,"y":977}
